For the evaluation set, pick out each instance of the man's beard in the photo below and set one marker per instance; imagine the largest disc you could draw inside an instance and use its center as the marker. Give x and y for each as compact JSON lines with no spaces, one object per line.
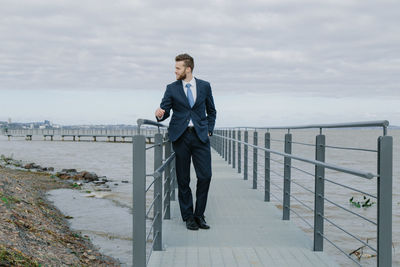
{"x":182,"y":76}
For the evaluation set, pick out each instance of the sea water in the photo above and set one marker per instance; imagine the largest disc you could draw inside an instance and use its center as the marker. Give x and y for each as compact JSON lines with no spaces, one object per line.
{"x":106,"y":216}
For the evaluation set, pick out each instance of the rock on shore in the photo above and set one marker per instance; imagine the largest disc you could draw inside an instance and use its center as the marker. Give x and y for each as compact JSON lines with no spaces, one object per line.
{"x":33,"y":232}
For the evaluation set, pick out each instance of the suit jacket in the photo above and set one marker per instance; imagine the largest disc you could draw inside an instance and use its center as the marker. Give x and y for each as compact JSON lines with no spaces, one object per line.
{"x":203,"y":113}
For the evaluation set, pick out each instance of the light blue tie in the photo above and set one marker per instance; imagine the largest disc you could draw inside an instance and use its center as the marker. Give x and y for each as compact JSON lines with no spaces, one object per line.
{"x":190,"y":95}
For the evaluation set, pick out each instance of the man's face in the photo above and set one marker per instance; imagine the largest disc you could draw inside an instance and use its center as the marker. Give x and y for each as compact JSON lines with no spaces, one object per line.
{"x":180,"y":70}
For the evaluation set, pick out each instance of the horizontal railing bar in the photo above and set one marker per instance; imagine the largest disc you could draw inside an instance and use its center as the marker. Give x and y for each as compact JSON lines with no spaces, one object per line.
{"x":153,"y":146}
{"x":149,"y":233}
{"x":152,"y":248}
{"x":302,"y":218}
{"x":302,"y":203}
{"x":164,"y":165}
{"x":367,"y":175}
{"x":350,"y":234}
{"x":351,"y":188}
{"x":277,"y":174}
{"x":280,"y":201}
{"x":352,"y":212}
{"x":152,"y":204}
{"x":152,"y":226}
{"x":277,"y":140}
{"x":165,"y":209}
{"x":304,"y":144}
{"x":333,"y":244}
{"x":165,"y":196}
{"x":352,"y":148}
{"x":302,"y":186}
{"x":383,"y":123}
{"x":277,"y":186}
{"x":277,"y":161}
{"x":150,"y":122}
{"x":148,"y":188}
{"x":303,"y":171}
{"x":148,"y":257}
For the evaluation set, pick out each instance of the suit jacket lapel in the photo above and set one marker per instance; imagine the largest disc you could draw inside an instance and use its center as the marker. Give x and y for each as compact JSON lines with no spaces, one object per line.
{"x":198,"y":92}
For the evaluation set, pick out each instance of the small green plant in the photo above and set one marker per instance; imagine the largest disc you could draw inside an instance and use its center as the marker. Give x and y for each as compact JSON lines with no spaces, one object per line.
{"x":365,"y":203}
{"x":8,"y":199}
{"x":76,"y":185}
{"x":13,"y":257}
{"x":4,"y":199}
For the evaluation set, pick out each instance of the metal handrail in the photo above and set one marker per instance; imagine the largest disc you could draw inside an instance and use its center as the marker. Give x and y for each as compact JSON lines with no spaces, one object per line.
{"x":224,"y":142}
{"x":351,"y":188}
{"x":162,"y":196}
{"x":381,"y":123}
{"x":157,"y":173}
{"x":338,"y":248}
{"x":352,"y":148}
{"x":141,"y":122}
{"x":367,"y":175}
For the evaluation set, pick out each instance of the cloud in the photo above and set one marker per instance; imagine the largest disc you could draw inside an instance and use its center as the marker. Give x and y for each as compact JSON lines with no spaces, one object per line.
{"x":323,"y":48}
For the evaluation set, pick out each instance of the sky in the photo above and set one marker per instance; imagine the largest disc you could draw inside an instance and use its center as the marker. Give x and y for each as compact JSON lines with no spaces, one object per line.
{"x":269,"y":62}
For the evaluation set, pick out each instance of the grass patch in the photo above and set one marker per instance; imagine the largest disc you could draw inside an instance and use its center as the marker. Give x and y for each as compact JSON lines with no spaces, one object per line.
{"x":13,"y":257}
{"x":8,"y":199}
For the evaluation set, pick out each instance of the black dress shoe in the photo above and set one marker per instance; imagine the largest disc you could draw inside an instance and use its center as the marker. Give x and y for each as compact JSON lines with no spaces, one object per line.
{"x":191,"y":224}
{"x":201,"y":222}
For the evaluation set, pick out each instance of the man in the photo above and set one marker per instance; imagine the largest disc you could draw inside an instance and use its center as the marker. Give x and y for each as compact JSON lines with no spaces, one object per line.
{"x":191,"y":124}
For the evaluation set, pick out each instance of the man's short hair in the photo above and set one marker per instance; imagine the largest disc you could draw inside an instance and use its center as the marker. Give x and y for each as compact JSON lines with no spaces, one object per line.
{"x":187,"y":60}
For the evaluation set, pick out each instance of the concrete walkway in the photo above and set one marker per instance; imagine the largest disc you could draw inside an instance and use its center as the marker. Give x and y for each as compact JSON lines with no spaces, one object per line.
{"x":245,"y":230}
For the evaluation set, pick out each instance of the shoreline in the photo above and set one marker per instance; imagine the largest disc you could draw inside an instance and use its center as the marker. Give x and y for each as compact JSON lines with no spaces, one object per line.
{"x":33,"y":232}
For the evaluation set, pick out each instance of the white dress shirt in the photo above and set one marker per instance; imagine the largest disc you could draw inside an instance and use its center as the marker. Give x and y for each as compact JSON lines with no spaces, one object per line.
{"x":194,"y":92}
{"x":192,"y":87}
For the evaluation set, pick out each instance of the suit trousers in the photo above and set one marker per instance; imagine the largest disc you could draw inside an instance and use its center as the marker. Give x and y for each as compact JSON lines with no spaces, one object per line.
{"x":188,"y":147}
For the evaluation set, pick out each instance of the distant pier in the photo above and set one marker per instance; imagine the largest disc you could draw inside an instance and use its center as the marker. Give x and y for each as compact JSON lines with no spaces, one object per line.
{"x":94,"y":135}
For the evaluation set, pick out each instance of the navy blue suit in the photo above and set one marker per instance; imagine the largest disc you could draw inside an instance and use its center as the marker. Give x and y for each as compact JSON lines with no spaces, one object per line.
{"x":191,"y":144}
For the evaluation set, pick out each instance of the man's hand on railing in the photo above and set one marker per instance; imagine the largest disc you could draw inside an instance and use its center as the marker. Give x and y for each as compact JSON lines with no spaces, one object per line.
{"x":160,"y":113}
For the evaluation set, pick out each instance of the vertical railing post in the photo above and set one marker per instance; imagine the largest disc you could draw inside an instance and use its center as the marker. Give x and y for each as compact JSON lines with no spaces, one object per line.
{"x":167,"y":183}
{"x":319,"y":194}
{"x":230,"y":147}
{"x":157,"y":231}
{"x":286,"y":179}
{"x":246,"y":155}
{"x":216,"y":141}
{"x":226,"y":145}
{"x":234,"y":149}
{"x":267,"y":164}
{"x":255,"y":159}
{"x":222,"y":143}
{"x":139,"y":201}
{"x":220,"y":132}
{"x":174,"y":184}
{"x":385,"y":190}
{"x":239,"y":151}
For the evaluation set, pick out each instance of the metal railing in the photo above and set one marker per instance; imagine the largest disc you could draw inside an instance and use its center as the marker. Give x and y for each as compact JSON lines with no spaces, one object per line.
{"x":160,"y":203}
{"x":225,"y":142}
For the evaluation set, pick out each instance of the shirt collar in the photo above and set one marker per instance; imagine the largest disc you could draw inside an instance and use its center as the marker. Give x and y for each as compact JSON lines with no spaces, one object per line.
{"x":192,"y":83}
